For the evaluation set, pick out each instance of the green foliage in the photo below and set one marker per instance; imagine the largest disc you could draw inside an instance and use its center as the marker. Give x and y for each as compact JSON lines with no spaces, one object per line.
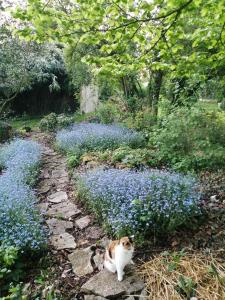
{"x":222,"y":105}
{"x":72,"y":161}
{"x":5,"y":131}
{"x":79,"y":72}
{"x":11,"y":271}
{"x":8,"y":256}
{"x":186,"y":287}
{"x":115,"y":111}
{"x":64,"y":121}
{"x":48,"y":123}
{"x":19,"y":123}
{"x":213,"y":88}
{"x":115,"y":40}
{"x":87,"y":117}
{"x":15,"y":293}
{"x":108,"y":113}
{"x":142,"y":120}
{"x":52,"y":122}
{"x":133,"y":157}
{"x":182,"y":29}
{"x":133,"y":103}
{"x":191,"y":139}
{"x":106,"y":88}
{"x":112,"y":111}
{"x":32,"y":178}
{"x":124,"y":157}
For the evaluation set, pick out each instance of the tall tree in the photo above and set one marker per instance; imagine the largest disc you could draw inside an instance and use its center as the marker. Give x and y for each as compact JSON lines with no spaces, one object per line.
{"x":175,"y":36}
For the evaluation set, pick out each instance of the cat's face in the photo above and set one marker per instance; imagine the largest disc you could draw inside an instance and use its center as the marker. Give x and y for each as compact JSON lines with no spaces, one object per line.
{"x":127,"y":243}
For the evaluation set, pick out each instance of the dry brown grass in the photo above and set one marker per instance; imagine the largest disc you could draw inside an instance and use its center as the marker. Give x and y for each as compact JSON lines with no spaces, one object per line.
{"x":163,"y":274}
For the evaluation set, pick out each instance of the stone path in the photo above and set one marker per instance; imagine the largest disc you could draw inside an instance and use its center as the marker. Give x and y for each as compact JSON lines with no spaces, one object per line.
{"x":74,"y":234}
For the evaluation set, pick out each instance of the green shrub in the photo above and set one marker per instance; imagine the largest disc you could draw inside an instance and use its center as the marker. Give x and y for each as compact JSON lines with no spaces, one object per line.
{"x":119,"y":154}
{"x":8,"y":256}
{"x":125,"y":157}
{"x":142,"y":120}
{"x":48,"y":123}
{"x":133,"y":104}
{"x":5,"y":131}
{"x":108,"y":113}
{"x":72,"y":161}
{"x":10,"y":268}
{"x":191,"y":139}
{"x":52,"y":122}
{"x":64,"y":121}
{"x":134,"y":157}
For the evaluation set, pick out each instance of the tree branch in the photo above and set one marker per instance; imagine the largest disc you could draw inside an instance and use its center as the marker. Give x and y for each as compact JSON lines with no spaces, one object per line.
{"x":6,"y":101}
{"x":220,"y":35}
{"x":176,"y":11}
{"x":162,"y":35}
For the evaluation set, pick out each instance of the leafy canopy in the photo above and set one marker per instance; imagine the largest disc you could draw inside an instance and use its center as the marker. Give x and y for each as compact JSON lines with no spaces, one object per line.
{"x":177,"y":35}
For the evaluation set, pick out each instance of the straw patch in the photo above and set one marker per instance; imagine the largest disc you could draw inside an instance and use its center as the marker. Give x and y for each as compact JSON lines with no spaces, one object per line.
{"x":177,"y":276}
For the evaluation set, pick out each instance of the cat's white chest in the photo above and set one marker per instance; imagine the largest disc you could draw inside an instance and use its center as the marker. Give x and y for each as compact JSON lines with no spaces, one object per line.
{"x":122,"y":255}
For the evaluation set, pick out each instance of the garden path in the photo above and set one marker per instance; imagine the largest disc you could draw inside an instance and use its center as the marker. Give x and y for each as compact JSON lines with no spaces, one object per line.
{"x":76,"y":238}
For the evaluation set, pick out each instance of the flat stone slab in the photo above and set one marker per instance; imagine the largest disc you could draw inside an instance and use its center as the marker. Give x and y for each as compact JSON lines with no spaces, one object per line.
{"x":93,"y":297}
{"x":63,"y":241}
{"x":44,"y":189}
{"x":81,"y":261}
{"x":43,"y":207}
{"x":105,"y":284}
{"x":94,"y":232}
{"x":64,"y":179}
{"x":83,"y":222}
{"x":64,"y":210}
{"x":58,"y":226}
{"x":48,"y":151}
{"x":59,"y":173}
{"x":58,"y":197}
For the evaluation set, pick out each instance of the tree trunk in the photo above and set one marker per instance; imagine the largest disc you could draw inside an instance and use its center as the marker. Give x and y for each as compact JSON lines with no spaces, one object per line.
{"x":124,"y":85}
{"x":155,"y":84}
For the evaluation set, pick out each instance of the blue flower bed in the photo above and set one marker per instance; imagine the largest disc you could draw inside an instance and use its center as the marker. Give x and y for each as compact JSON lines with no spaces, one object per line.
{"x":90,"y":136}
{"x":141,"y":202}
{"x":20,"y":221}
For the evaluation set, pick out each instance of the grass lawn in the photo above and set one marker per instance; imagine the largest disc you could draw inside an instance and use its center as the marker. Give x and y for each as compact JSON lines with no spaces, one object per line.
{"x":208,"y":104}
{"x":19,"y":123}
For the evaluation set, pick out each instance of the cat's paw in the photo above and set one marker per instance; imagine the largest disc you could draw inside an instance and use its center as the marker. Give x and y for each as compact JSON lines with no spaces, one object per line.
{"x":120,"y":276}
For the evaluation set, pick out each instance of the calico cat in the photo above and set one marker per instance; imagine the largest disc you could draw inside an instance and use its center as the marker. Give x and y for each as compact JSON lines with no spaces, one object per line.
{"x":119,"y":254}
